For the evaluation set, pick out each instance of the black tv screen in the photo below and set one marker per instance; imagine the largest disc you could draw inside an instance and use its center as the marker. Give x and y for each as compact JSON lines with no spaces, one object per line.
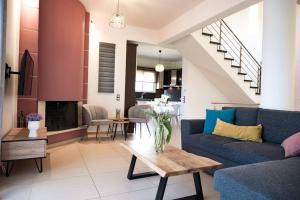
{"x":26,"y":75}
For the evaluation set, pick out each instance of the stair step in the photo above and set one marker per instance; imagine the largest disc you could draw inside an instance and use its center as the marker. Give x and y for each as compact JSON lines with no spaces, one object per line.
{"x":248,"y":80}
{"x":228,"y":58}
{"x":235,"y":66}
{"x":213,"y":42}
{"x":221,"y":50}
{"x":207,"y":34}
{"x":254,"y":87}
{"x":242,"y":73}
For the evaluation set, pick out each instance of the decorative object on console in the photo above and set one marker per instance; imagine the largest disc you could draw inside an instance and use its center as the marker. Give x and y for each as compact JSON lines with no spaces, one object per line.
{"x":117,"y":20}
{"x":163,"y":132}
{"x":291,"y":145}
{"x":247,"y":133}
{"x":159,"y":67}
{"x":212,"y":116}
{"x":33,"y":125}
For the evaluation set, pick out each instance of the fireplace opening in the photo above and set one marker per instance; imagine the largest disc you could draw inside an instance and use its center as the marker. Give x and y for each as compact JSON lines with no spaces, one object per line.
{"x":61,"y":115}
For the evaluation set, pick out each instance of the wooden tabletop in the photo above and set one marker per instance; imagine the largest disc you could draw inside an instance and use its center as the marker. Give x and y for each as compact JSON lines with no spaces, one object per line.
{"x":172,"y":162}
{"x":21,"y":134}
{"x":120,"y":120}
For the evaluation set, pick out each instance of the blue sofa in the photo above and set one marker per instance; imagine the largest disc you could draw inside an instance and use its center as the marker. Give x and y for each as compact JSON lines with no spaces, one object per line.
{"x":251,"y":170}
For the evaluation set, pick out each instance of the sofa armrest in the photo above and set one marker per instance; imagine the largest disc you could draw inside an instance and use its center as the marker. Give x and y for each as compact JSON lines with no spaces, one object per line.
{"x":192,"y":126}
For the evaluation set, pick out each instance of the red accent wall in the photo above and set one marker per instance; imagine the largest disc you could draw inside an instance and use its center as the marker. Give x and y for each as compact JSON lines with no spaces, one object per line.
{"x":29,"y":30}
{"x":61,"y":50}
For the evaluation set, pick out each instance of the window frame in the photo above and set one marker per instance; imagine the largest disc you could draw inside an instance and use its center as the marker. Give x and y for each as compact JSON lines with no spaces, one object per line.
{"x":145,"y":69}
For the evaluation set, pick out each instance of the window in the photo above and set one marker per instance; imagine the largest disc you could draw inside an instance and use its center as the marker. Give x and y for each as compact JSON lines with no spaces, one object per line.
{"x":145,"y":81}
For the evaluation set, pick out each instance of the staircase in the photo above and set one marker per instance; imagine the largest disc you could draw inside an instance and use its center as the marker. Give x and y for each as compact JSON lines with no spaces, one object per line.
{"x":228,"y":44}
{"x":222,"y":58}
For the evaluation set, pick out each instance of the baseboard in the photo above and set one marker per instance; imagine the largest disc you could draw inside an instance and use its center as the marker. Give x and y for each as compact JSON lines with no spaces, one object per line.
{"x":49,"y":146}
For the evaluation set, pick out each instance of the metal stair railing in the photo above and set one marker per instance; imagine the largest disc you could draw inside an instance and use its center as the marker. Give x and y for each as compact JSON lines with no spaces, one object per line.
{"x":222,"y":35}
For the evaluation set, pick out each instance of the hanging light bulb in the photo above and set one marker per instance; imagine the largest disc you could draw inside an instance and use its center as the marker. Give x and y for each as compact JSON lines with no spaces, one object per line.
{"x":159,"y":67}
{"x":117,"y":20}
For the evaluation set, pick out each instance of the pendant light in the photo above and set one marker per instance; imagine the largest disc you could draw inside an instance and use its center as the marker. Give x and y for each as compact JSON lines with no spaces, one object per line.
{"x":117,"y":20}
{"x":159,"y":67}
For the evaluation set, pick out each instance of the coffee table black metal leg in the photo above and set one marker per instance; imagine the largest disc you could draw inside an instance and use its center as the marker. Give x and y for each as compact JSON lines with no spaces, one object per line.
{"x":198,"y":186}
{"x":40,"y":168}
{"x":161,"y":188}
{"x":9,"y":167}
{"x":132,"y":176}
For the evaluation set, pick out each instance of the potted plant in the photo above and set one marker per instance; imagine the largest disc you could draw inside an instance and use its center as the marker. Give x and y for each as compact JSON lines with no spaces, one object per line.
{"x":33,"y":123}
{"x":163,"y":131}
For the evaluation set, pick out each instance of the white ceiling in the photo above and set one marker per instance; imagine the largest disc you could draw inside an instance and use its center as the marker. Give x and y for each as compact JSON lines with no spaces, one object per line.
{"x":152,"y":51}
{"x":152,"y":14}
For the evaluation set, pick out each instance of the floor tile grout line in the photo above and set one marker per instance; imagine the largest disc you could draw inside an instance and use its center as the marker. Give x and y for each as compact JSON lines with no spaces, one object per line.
{"x":85,"y":164}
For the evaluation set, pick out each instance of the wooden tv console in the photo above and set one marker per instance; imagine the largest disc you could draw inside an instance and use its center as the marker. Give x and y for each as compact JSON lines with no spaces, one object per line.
{"x":16,"y":145}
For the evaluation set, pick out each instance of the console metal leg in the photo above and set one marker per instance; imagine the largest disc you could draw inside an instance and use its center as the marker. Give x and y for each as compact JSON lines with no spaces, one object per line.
{"x":161,"y":188}
{"x":132,"y":176}
{"x":40,"y":168}
{"x":9,"y":167}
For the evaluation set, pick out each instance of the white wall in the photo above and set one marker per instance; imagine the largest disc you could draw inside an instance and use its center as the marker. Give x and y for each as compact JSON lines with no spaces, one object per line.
{"x":297,"y":101}
{"x":247,"y":25}
{"x":12,"y":58}
{"x":199,"y":92}
{"x":101,"y":32}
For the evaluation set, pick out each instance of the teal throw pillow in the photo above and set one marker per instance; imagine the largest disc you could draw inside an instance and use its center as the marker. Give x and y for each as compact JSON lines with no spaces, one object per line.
{"x":212,"y":116}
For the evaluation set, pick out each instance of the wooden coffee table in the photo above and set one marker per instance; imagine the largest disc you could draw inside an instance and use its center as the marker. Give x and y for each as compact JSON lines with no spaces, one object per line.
{"x":172,"y":162}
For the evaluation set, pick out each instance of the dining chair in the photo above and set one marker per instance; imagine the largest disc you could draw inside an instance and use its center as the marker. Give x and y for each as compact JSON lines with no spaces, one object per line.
{"x":137,"y":115}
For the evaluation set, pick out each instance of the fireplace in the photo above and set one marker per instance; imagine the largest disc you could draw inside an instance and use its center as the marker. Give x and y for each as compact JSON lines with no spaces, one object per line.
{"x":61,"y":115}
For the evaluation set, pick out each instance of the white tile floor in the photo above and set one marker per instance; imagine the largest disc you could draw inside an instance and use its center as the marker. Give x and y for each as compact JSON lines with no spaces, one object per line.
{"x":90,"y":170}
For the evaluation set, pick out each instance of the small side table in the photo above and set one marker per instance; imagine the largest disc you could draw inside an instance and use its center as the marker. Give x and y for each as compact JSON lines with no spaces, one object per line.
{"x":123,"y":122}
{"x":16,"y":145}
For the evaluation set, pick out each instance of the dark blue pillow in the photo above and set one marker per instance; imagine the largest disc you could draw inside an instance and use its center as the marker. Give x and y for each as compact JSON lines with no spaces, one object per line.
{"x":212,"y":116}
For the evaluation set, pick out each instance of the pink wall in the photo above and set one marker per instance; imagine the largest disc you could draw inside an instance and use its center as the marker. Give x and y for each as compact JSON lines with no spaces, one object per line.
{"x":61,"y":50}
{"x":29,"y":30}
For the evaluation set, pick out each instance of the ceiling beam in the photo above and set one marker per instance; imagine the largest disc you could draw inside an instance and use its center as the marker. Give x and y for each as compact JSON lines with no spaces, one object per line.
{"x":203,"y":14}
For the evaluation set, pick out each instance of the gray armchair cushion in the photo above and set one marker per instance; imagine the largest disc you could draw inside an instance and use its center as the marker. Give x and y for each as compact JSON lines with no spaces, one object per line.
{"x":95,"y":115}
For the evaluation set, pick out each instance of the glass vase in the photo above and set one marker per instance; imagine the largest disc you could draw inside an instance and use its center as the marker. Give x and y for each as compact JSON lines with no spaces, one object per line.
{"x":160,"y":139}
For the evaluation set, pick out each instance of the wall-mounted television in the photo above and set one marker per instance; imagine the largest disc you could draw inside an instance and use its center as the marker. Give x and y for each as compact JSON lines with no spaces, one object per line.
{"x":25,"y":74}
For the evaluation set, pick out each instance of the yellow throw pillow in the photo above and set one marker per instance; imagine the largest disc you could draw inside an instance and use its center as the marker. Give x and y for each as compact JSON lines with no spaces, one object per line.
{"x":248,"y":133}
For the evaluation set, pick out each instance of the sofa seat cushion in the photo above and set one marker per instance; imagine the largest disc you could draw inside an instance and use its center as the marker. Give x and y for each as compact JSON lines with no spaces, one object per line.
{"x":252,"y":152}
{"x":276,"y":180}
{"x":213,"y":144}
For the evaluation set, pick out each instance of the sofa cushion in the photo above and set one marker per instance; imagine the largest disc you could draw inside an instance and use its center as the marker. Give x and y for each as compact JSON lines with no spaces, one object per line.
{"x":245,"y":116}
{"x":291,"y":145}
{"x":278,"y":125}
{"x":247,"y":133}
{"x":213,"y":144}
{"x":213,"y":115}
{"x":276,"y":180}
{"x":252,"y":152}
